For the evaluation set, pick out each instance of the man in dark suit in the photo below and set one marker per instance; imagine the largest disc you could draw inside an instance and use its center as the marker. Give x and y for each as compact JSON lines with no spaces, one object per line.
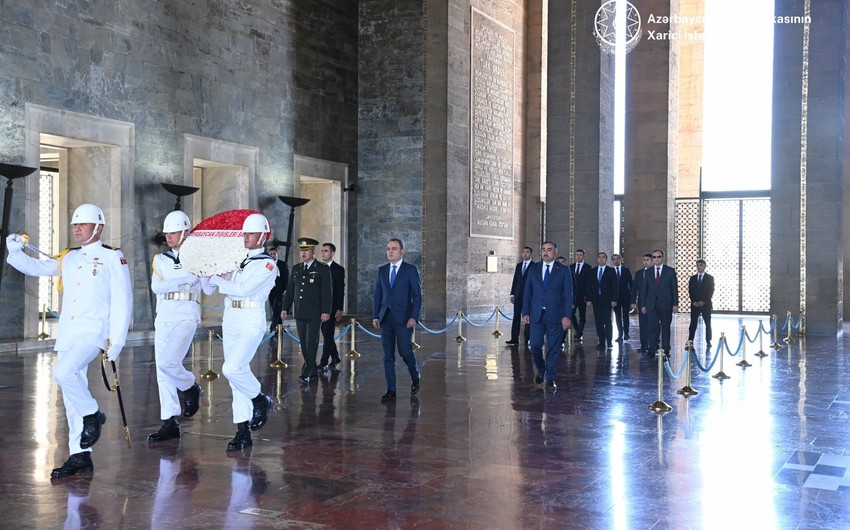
{"x":637,"y":285}
{"x":276,"y":294}
{"x":547,"y":305}
{"x":517,"y":289}
{"x":311,"y":290}
{"x":582,"y":273}
{"x":329,"y":351}
{"x":395,"y":311}
{"x":624,"y":297}
{"x":701,"y":289}
{"x":660,"y":294}
{"x":602,"y":293}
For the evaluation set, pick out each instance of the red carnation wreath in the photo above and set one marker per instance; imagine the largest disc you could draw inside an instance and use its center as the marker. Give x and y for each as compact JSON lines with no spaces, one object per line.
{"x":215,"y":246}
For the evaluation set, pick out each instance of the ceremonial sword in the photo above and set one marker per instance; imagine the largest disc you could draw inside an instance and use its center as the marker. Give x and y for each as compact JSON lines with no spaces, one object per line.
{"x":116,"y":388}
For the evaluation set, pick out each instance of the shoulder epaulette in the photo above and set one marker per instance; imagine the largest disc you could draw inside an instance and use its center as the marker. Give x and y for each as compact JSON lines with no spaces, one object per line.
{"x":111,"y":248}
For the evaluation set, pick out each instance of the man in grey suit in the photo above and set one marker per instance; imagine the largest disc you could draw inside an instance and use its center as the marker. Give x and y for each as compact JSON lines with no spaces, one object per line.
{"x":310,"y":289}
{"x":660,"y":295}
{"x":395,"y":310}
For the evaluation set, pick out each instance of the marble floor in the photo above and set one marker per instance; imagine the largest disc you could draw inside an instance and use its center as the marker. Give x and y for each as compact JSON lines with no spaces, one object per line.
{"x":480,"y":447}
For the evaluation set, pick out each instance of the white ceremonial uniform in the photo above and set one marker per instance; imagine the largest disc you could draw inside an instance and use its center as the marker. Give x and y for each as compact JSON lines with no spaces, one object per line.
{"x":244,"y":324}
{"x":177,"y":319}
{"x":97,"y":304}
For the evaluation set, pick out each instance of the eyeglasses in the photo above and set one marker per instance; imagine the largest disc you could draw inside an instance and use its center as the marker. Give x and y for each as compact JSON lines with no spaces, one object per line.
{"x":657,"y":256}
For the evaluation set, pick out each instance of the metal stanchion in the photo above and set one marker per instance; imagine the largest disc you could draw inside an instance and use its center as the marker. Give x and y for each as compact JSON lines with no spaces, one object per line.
{"x":689,"y":346}
{"x":660,"y":405}
{"x":776,"y":345}
{"x":743,"y":363}
{"x":43,"y":335}
{"x":460,"y":338}
{"x":497,"y":333}
{"x":789,"y":339}
{"x":352,"y":354}
{"x":413,"y":343}
{"x":760,"y":353}
{"x":210,"y":375}
{"x":279,"y":364}
{"x":688,"y":390}
{"x":721,"y":346}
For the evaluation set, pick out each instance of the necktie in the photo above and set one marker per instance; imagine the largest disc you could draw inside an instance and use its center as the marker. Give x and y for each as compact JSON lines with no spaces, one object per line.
{"x":657,"y":275}
{"x":524,"y":266}
{"x":578,"y":269}
{"x":699,"y":281}
{"x":618,"y":273}
{"x":599,"y":280}
{"x":392,"y":276}
{"x":546,"y":275}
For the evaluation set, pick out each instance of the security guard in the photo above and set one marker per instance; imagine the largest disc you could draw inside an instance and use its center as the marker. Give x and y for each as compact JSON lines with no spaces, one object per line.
{"x":246,"y":291}
{"x":311,"y":289}
{"x":177,"y":319}
{"x":97,"y":304}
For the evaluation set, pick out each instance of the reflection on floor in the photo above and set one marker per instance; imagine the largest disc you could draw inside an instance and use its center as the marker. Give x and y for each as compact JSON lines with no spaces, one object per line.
{"x":480,"y":446}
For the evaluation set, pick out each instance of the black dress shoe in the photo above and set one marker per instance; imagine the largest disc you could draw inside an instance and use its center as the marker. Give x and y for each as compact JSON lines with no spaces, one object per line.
{"x":414,"y":387}
{"x":538,"y":379}
{"x":389,"y":396}
{"x":551,"y":386}
{"x":303,"y":379}
{"x":512,"y":342}
{"x":262,"y":406}
{"x":322,"y":367}
{"x":91,"y":429}
{"x":242,"y":439}
{"x":708,"y":344}
{"x":192,"y":400}
{"x":627,"y":337}
{"x":170,"y":429}
{"x":76,"y":463}
{"x":610,"y":345}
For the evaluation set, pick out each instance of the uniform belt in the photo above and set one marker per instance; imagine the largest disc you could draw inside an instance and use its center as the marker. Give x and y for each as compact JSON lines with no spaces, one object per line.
{"x":180,"y":295}
{"x":243,"y":304}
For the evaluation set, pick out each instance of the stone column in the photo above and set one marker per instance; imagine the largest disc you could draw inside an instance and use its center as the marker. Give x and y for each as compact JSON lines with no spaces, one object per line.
{"x":807,"y":180}
{"x":651,"y":139}
{"x":580,"y":132}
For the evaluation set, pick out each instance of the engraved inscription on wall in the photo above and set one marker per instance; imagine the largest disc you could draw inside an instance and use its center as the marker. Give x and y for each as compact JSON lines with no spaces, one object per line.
{"x":491,"y":129}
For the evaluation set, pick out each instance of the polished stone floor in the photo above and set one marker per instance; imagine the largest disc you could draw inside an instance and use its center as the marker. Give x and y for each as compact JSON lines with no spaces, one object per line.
{"x":480,"y":447}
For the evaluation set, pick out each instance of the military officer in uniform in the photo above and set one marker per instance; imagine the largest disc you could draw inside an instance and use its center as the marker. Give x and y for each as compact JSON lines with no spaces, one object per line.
{"x":97,"y":304}
{"x":246,"y":291}
{"x":311,"y":290}
{"x":177,"y":319}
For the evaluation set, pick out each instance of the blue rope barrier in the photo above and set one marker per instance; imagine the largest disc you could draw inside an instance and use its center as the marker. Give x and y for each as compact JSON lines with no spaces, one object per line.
{"x":737,"y":350}
{"x":505,"y":316}
{"x":711,"y":364}
{"x":799,"y":322}
{"x":752,"y":340}
{"x":366,"y":331}
{"x":434,"y":331}
{"x":669,"y":371}
{"x":471,"y":323}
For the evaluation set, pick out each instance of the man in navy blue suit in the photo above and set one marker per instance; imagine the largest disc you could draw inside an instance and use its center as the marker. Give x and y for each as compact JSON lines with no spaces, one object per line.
{"x":602,"y":294}
{"x":395,"y":311}
{"x":547,"y":305}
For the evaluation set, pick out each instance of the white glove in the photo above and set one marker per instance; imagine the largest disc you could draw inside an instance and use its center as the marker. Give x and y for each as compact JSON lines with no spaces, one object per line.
{"x":113,"y":352}
{"x":215,"y":280}
{"x":14,"y":242}
{"x":189,"y":285}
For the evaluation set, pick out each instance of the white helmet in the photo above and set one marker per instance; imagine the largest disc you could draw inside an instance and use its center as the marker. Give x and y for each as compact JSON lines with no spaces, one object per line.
{"x":256,"y":222}
{"x":176,"y":221}
{"x":88,"y":213}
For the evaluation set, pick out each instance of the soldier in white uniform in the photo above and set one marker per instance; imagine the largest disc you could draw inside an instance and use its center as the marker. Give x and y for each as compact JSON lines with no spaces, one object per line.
{"x":246,"y":291}
{"x":177,"y":319}
{"x":97,"y":304}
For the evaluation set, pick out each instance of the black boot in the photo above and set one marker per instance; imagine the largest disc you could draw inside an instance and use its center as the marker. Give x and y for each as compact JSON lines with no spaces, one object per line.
{"x":76,"y":463}
{"x":262,"y":405}
{"x":91,"y":429}
{"x":170,"y":429}
{"x":192,"y":400}
{"x":242,"y":439}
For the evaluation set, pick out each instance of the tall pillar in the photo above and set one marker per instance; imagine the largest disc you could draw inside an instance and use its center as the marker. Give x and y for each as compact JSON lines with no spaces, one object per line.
{"x":579,"y":189}
{"x":651,"y":139}
{"x":807,"y":164}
